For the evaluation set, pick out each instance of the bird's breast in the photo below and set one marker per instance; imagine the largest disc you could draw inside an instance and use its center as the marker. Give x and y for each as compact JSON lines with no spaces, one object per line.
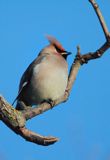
{"x":49,"y":80}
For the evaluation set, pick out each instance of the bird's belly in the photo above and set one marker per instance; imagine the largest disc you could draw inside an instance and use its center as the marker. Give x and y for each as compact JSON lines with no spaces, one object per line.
{"x":50,"y":85}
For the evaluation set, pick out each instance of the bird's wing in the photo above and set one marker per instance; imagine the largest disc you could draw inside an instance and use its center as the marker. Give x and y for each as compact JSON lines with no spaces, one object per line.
{"x":26,"y":77}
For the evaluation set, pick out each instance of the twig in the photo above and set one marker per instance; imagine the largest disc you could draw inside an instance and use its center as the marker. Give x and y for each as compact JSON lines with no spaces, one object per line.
{"x":98,"y":53}
{"x":15,"y":120}
{"x":36,"y":138}
{"x":100,"y":17}
{"x":94,"y":55}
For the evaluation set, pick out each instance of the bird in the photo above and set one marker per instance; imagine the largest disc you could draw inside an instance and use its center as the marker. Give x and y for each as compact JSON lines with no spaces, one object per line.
{"x":45,"y":79}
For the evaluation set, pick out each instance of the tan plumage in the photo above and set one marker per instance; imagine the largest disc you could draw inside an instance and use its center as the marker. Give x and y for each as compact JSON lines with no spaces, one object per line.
{"x":46,"y":77}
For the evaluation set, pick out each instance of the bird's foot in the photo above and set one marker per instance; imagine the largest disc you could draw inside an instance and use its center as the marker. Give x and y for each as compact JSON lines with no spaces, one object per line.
{"x":22,"y":107}
{"x":51,"y":102}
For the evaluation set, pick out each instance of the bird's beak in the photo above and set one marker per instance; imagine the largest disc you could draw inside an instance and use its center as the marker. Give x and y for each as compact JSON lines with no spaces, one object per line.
{"x":68,"y":53}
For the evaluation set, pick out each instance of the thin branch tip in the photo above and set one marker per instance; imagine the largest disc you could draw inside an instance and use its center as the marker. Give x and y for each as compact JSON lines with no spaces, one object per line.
{"x":78,"y":50}
{"x":92,"y":1}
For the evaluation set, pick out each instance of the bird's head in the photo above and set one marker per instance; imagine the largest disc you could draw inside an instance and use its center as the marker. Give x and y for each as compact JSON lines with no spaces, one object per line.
{"x":55,"y":47}
{"x":58,"y":48}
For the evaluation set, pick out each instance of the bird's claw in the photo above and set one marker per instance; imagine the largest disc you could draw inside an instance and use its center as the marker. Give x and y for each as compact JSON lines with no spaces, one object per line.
{"x":51,"y":102}
{"x":22,"y":107}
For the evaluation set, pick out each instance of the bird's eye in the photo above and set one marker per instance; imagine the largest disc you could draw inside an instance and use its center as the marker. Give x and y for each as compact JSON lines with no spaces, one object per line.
{"x":59,"y":50}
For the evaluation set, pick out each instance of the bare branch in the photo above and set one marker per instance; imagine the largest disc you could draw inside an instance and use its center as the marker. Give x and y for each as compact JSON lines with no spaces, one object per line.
{"x":36,"y":138}
{"x":98,"y":53}
{"x":100,"y":17}
{"x":15,"y":120}
{"x":94,"y":55}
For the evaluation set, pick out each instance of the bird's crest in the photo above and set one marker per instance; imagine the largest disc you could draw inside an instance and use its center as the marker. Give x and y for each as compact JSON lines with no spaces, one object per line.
{"x":56,"y":43}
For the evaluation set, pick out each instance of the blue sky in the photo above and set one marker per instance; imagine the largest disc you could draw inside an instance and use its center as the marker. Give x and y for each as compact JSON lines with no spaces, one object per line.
{"x":82,"y":123}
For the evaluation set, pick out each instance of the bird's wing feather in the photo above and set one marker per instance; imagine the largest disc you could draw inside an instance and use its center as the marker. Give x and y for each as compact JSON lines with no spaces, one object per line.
{"x":26,"y":77}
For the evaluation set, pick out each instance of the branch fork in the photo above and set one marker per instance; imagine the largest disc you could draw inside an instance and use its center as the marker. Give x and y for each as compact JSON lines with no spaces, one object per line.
{"x":16,"y":120}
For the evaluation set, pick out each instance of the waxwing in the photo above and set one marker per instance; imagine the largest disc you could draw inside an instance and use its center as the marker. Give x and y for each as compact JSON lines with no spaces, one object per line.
{"x":46,"y":77}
